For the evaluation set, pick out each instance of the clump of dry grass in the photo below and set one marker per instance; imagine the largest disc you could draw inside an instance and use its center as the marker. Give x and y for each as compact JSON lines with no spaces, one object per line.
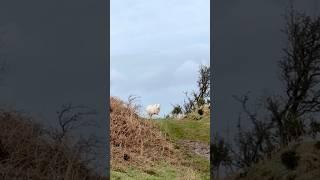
{"x":27,"y":152}
{"x":134,"y":141}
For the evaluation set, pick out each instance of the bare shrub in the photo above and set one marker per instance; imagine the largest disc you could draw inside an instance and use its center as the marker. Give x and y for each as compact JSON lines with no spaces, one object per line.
{"x":202,"y":96}
{"x":177,"y":109}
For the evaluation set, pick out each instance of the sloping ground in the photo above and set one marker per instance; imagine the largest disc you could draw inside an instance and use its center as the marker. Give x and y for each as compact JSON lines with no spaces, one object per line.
{"x":140,"y":149}
{"x":26,"y":152}
{"x":199,"y":148}
{"x":192,"y":137}
{"x":161,"y":171}
{"x":308,"y":167}
{"x":187,"y":129}
{"x":133,"y":141}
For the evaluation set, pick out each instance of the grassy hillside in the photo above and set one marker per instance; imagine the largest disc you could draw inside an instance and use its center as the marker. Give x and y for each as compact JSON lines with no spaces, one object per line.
{"x":187,"y":129}
{"x":193,"y":166}
{"x":179,"y":163}
{"x":158,"y":172}
{"x":190,"y":136}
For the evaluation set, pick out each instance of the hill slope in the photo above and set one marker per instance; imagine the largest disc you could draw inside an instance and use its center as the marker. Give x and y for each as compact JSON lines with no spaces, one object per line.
{"x":178,"y":162}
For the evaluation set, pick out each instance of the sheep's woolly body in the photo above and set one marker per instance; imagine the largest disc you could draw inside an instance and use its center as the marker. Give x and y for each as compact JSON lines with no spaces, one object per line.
{"x":153,"y":109}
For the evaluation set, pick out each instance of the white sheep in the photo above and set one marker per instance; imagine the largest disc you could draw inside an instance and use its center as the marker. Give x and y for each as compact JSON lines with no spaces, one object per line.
{"x":153,"y":109}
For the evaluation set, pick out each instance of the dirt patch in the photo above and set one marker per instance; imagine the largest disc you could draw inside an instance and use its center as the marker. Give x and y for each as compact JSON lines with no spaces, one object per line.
{"x":199,"y":148}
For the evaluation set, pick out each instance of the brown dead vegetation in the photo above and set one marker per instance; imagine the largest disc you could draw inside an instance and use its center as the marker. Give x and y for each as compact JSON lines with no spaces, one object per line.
{"x":134,"y":141}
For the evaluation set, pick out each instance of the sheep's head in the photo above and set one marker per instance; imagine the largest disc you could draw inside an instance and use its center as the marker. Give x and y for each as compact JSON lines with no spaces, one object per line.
{"x":158,"y":108}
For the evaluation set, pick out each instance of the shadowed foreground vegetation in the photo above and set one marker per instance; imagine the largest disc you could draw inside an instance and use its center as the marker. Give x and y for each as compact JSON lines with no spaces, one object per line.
{"x":298,"y":162}
{"x":280,"y":136}
{"x":28,"y":151}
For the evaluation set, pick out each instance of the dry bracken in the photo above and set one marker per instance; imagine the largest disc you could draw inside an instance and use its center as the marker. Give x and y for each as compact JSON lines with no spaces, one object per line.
{"x":136,"y":141}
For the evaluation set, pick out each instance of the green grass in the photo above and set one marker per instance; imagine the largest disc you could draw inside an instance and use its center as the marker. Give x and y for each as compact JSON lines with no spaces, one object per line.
{"x":193,"y":166}
{"x":162,"y":171}
{"x":131,"y":173}
{"x":198,"y":163}
{"x":187,"y":129}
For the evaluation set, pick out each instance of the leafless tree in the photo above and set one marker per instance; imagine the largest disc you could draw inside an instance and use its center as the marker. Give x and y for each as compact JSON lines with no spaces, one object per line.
{"x":71,"y":117}
{"x":202,"y":96}
{"x":253,"y":143}
{"x":291,"y":115}
{"x":300,"y":73}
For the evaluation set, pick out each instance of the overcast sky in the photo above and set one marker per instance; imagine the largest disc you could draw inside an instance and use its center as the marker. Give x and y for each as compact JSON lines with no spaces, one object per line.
{"x":157,"y":47}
